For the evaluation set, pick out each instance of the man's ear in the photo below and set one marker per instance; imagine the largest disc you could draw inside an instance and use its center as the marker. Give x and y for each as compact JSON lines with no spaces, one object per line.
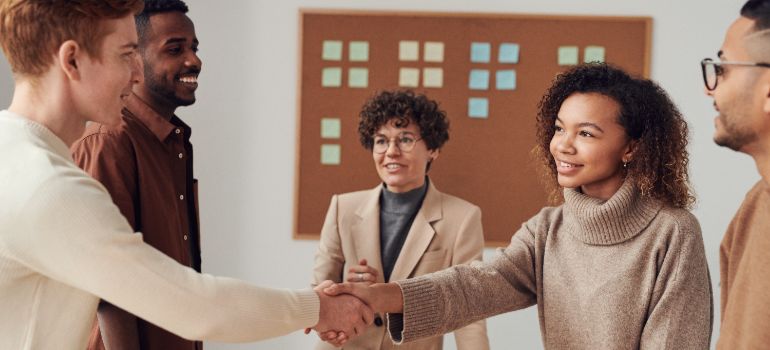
{"x":68,"y":58}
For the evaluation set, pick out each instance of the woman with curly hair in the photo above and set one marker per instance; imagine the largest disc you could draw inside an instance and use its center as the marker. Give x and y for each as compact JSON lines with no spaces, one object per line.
{"x":403,"y":227}
{"x":619,"y":265}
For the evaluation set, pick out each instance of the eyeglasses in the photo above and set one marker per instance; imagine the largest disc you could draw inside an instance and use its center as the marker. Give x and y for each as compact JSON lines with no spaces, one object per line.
{"x":404,"y":142}
{"x":712,"y":70}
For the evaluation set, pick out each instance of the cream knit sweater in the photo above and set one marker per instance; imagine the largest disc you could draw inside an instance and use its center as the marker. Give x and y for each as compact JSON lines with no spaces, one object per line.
{"x":64,"y":244}
{"x":627,"y":273}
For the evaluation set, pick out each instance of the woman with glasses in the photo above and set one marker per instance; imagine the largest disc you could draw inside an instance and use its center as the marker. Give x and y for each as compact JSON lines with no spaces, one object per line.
{"x":403,"y":227}
{"x":619,"y":264}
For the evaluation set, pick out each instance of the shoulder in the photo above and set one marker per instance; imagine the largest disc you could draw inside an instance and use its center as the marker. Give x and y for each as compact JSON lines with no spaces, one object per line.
{"x":678,"y":219}
{"x":100,"y":135}
{"x":357,"y":197}
{"x":452,"y":203}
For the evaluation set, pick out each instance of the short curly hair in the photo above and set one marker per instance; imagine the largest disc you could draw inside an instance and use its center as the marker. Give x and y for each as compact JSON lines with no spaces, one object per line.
{"x":153,"y":7}
{"x":405,"y":106}
{"x":660,"y":160}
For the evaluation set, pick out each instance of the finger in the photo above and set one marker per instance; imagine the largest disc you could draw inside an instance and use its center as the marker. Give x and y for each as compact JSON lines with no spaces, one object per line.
{"x":362,"y":262}
{"x":367,"y":316}
{"x":307,"y":330}
{"x":339,"y":288}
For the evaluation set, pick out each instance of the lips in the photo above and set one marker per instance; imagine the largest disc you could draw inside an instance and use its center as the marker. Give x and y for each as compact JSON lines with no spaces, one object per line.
{"x":567,"y":168}
{"x":189,"y":79}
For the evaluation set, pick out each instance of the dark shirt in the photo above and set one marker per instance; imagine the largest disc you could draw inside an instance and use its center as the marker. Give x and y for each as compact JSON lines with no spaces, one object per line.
{"x":146,"y":164}
{"x":397,"y":213}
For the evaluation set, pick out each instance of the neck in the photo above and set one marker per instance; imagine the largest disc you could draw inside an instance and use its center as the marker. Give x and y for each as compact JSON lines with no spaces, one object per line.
{"x":49,"y":105}
{"x":164,"y":110}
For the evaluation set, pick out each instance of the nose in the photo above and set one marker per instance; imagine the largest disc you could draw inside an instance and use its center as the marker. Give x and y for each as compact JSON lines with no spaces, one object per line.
{"x":564,"y":144}
{"x":136,"y":71}
{"x":393,"y":149}
{"x":193,"y":61}
{"x":708,"y":92}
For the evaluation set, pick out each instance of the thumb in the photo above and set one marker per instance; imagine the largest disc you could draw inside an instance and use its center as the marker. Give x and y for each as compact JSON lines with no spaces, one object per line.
{"x":340,"y":288}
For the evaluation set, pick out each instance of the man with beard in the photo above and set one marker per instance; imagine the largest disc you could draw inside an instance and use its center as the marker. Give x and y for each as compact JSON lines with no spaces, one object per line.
{"x":146,"y":163}
{"x":739,"y":83}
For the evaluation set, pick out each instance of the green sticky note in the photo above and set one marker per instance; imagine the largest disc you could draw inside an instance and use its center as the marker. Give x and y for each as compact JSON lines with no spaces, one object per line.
{"x":358,"y":77}
{"x":332,"y":50}
{"x":505,"y":79}
{"x":408,"y":50}
{"x":434,"y":51}
{"x":409,"y":77}
{"x":331,"y":77}
{"x":359,"y":51}
{"x":568,"y":55}
{"x":478,"y":107}
{"x":330,"y":154}
{"x":330,"y":128}
{"x":593,"y":54}
{"x":433,"y":77}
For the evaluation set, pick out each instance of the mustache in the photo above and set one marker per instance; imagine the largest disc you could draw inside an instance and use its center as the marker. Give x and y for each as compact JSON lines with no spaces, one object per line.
{"x":192,"y":71}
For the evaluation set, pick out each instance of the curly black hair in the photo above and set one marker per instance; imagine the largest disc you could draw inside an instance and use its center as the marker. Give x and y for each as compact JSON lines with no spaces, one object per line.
{"x":660,"y":160}
{"x":152,"y":7}
{"x":405,"y":106}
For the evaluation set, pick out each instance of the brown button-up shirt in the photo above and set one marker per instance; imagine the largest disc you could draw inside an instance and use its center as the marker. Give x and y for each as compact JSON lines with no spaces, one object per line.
{"x":146,"y":163}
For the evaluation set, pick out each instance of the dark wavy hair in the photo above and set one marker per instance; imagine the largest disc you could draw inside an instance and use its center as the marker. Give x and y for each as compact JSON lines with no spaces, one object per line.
{"x":406,"y":107}
{"x":659,"y":164}
{"x":152,"y":7}
{"x":759,"y":11}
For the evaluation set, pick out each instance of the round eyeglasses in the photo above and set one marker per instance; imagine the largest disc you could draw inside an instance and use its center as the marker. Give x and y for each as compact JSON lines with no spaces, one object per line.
{"x":404,"y":143}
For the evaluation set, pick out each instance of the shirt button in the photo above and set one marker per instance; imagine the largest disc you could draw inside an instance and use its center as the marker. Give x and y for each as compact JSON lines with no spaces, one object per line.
{"x":181,"y":197}
{"x":181,"y":155}
{"x":178,"y":131}
{"x":185,"y":237}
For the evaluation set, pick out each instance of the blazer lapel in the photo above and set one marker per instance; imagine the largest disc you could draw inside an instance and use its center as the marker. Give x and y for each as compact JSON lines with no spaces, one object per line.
{"x":366,"y":233}
{"x":420,"y":235}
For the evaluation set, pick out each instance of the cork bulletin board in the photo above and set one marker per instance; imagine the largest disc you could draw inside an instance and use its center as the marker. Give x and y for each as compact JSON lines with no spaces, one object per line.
{"x":487,"y":71}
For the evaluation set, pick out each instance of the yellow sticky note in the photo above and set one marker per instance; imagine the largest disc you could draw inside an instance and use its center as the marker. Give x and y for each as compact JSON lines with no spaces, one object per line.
{"x":358,"y":77}
{"x":408,"y":50}
{"x":409,"y":77}
{"x":433,"y":77}
{"x":593,"y":54}
{"x":330,"y":128}
{"x":330,"y":154}
{"x":434,"y":51}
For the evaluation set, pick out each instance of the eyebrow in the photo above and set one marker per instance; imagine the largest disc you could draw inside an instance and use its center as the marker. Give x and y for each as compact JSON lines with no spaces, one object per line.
{"x":180,"y":40}
{"x":719,"y":54}
{"x":399,"y":134}
{"x":584,"y":125}
{"x":131,"y":45}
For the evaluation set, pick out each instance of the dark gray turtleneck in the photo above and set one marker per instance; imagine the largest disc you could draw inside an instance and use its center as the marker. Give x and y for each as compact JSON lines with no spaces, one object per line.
{"x":397,"y":212}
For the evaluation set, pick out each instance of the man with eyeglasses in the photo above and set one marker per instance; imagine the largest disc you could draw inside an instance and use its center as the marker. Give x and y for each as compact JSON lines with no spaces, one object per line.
{"x":739,"y":83}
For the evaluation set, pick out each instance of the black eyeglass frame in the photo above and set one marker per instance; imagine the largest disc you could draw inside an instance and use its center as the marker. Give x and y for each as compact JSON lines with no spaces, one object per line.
{"x":718,"y":71}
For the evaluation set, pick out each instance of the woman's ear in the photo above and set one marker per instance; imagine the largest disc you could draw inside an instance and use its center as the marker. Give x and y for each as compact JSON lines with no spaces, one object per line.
{"x":434,"y":154}
{"x":67,"y":58}
{"x":628,"y":155}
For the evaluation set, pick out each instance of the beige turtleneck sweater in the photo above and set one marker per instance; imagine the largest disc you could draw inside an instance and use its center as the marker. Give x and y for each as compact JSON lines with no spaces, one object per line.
{"x":628,"y":273}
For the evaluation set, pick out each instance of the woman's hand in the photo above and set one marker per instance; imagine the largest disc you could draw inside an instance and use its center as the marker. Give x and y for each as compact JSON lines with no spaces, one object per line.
{"x":362,"y":273}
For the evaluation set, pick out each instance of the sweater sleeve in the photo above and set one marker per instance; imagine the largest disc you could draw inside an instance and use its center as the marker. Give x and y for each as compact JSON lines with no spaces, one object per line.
{"x":681,"y":313}
{"x":71,"y":231}
{"x":443,"y":301}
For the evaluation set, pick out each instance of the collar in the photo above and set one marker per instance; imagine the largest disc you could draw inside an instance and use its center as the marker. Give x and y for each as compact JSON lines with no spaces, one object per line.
{"x":41,"y":132}
{"x":614,"y":221}
{"x":158,"y":125}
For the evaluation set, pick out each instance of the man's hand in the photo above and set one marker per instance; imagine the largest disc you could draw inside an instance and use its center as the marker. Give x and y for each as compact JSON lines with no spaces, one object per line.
{"x":341,"y":317}
{"x":381,"y":297}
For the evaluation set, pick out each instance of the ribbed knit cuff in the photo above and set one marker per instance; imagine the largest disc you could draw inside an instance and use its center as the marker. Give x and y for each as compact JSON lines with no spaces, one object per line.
{"x":422,"y":311}
{"x":308,"y":307}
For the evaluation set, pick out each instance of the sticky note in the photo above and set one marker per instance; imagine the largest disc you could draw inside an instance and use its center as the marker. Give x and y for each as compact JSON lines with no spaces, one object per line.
{"x":330,"y":128}
{"x":433,"y":77}
{"x":330,"y":154}
{"x":480,"y":52}
{"x":358,"y":51}
{"x":509,"y":53}
{"x":568,"y":55}
{"x":332,"y":50}
{"x":408,"y":50}
{"x":593,"y":54}
{"x":434,"y":51}
{"x":505,"y":79}
{"x":358,"y":77}
{"x":409,"y":77}
{"x":479,"y":79}
{"x":478,"y":107}
{"x":331,"y":77}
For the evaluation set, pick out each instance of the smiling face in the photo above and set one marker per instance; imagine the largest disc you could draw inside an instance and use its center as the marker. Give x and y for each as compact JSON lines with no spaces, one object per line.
{"x":589,"y":145}
{"x":739,"y":95}
{"x":171,"y":63}
{"x":108,"y":78}
{"x":402,"y":171}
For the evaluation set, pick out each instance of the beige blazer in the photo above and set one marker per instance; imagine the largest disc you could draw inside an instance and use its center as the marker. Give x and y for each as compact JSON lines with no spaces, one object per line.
{"x":446,"y":231}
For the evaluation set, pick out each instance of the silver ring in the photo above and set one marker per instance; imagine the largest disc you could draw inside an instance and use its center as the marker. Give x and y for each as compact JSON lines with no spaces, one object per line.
{"x":360,"y":277}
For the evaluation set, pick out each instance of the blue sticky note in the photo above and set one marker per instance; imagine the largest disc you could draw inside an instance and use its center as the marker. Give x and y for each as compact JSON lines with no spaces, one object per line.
{"x":331,"y":77}
{"x":480,"y":52}
{"x":509,"y":53}
{"x":505,"y":79}
{"x":568,"y":55}
{"x":330,"y":154}
{"x":479,"y":79}
{"x":358,"y":77}
{"x":478,"y":107}
{"x":332,"y":50}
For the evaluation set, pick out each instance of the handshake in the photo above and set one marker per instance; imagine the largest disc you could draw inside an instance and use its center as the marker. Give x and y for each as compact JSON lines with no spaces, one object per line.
{"x":348,"y":308}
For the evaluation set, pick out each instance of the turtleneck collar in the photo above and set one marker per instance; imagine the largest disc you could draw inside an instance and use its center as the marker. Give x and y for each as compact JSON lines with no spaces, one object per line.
{"x":620,"y":218}
{"x":403,"y":203}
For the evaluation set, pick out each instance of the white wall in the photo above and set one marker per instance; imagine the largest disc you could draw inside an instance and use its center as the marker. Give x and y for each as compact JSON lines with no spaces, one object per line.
{"x":6,"y":82}
{"x":244,"y":132}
